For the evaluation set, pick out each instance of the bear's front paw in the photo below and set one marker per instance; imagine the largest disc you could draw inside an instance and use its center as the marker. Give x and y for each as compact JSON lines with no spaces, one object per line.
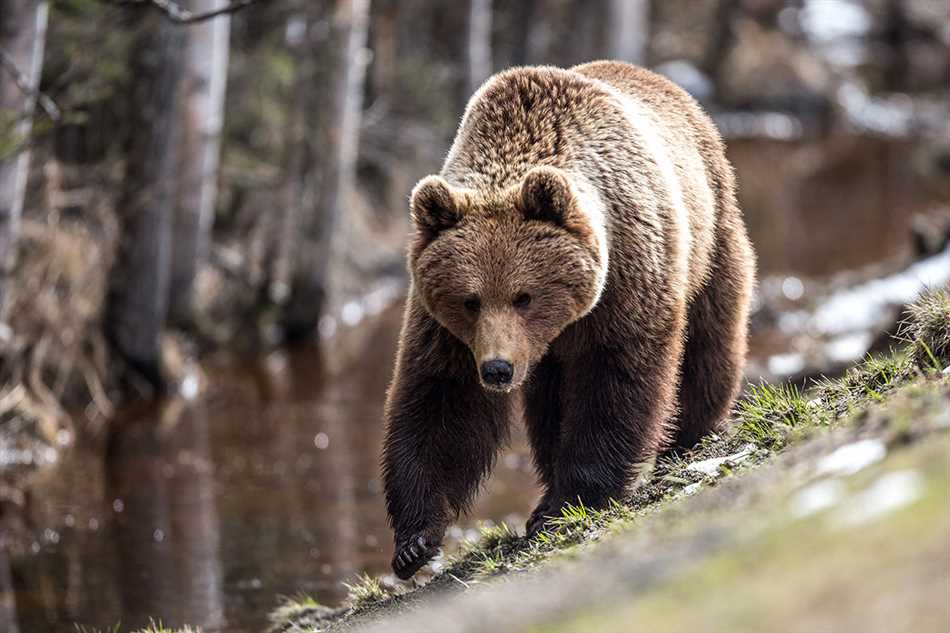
{"x":412,"y":554}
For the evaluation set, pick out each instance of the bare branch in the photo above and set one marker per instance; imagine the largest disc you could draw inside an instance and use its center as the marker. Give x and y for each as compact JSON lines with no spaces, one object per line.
{"x":176,"y":14}
{"x":23,"y":83}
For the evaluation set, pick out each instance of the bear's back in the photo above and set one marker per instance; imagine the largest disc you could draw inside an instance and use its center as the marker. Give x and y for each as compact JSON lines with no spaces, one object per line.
{"x":698,"y":154}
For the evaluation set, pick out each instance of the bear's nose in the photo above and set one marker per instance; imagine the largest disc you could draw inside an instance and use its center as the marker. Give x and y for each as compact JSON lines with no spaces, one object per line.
{"x":497,"y":372}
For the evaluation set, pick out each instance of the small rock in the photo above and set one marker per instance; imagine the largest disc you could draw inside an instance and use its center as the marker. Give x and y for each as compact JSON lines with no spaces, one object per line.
{"x":692,"y":489}
{"x":710,"y":467}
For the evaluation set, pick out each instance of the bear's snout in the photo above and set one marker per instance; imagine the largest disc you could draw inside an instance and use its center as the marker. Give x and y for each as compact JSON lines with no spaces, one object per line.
{"x":497,"y":372}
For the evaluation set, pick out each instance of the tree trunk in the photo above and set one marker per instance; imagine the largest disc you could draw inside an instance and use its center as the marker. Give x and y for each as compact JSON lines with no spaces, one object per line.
{"x":204,"y":78}
{"x":479,"y":43}
{"x":332,"y":102}
{"x":524,"y":23}
{"x":22,"y":36}
{"x":629,"y":30}
{"x":139,"y":303}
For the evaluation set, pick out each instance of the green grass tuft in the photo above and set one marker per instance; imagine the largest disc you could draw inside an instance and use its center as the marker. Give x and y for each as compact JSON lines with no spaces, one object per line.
{"x":927,"y":329}
{"x":769,"y":414}
{"x":366,"y":591}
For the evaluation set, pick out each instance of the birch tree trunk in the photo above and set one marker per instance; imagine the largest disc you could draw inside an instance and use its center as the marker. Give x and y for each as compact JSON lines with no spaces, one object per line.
{"x":22,"y":37}
{"x":628,"y":29}
{"x":204,"y":80}
{"x":139,"y":303}
{"x":479,"y":43}
{"x":334,"y":103}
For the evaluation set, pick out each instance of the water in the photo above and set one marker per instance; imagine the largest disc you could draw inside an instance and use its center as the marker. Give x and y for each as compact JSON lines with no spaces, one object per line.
{"x":205,"y":512}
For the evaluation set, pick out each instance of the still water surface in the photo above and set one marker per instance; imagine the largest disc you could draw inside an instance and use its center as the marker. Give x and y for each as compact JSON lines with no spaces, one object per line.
{"x":204,"y":512}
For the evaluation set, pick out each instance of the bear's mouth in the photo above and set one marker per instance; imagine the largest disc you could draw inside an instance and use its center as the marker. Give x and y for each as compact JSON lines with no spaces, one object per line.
{"x":500,"y":388}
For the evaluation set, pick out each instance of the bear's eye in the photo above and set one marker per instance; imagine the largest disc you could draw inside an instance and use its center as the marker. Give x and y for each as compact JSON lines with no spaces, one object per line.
{"x":472,"y":304}
{"x":522,"y":301}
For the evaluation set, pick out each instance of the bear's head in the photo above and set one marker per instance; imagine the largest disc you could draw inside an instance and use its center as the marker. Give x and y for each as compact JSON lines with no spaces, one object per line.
{"x":507,"y":271}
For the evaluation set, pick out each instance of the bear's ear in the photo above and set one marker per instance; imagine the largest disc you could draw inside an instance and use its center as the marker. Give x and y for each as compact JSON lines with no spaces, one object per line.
{"x":546,"y":195}
{"x":433,"y":207}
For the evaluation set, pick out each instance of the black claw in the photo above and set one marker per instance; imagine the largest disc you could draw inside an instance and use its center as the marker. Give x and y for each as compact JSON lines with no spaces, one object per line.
{"x":411,"y":556}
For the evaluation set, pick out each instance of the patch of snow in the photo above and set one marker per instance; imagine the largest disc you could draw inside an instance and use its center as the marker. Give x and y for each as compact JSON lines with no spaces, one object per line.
{"x":688,"y":77}
{"x":849,"y":347}
{"x":851,"y":458}
{"x":817,"y":497}
{"x":64,"y":437}
{"x":189,"y":386}
{"x":793,"y":288}
{"x":757,"y":125}
{"x":891,"y":116}
{"x":786,"y":364}
{"x":793,"y":322}
{"x":860,"y":308}
{"x":825,"y":21}
{"x":327,"y":326}
{"x":710,"y":467}
{"x":352,"y":313}
{"x":692,"y":489}
{"x":888,"y":493}
{"x":946,"y":371}
{"x":943,"y":419}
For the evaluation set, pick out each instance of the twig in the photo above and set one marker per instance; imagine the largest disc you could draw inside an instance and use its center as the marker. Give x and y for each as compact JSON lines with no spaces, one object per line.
{"x":23,"y":83}
{"x":176,"y":14}
{"x":460,"y":581}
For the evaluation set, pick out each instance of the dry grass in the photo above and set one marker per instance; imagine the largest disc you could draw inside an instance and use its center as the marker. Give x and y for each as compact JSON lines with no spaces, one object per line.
{"x":51,"y":345}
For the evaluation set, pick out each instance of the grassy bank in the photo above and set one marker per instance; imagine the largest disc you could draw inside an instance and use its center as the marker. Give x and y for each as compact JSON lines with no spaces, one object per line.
{"x":696,"y":513}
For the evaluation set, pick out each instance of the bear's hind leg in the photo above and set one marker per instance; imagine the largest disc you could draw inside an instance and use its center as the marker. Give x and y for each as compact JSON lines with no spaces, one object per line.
{"x":716,"y":340}
{"x":618,"y":407}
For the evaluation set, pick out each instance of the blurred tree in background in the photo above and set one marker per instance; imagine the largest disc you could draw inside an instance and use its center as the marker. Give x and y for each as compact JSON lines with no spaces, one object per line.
{"x":238,"y":178}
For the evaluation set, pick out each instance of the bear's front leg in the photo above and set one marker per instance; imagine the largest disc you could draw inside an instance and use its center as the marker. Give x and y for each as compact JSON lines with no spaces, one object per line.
{"x":443,"y":432}
{"x":616,"y":416}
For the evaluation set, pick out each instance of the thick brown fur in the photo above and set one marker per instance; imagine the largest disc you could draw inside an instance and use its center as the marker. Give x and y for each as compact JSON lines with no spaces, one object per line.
{"x":584,"y":229}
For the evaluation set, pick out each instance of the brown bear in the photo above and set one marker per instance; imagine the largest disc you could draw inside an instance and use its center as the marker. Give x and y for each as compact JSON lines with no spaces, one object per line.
{"x":582,"y":243}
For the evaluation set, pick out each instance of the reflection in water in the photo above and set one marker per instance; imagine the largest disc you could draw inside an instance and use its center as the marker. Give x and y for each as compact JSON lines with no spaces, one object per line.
{"x":204,"y":512}
{"x":161,"y":485}
{"x":7,"y":599}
